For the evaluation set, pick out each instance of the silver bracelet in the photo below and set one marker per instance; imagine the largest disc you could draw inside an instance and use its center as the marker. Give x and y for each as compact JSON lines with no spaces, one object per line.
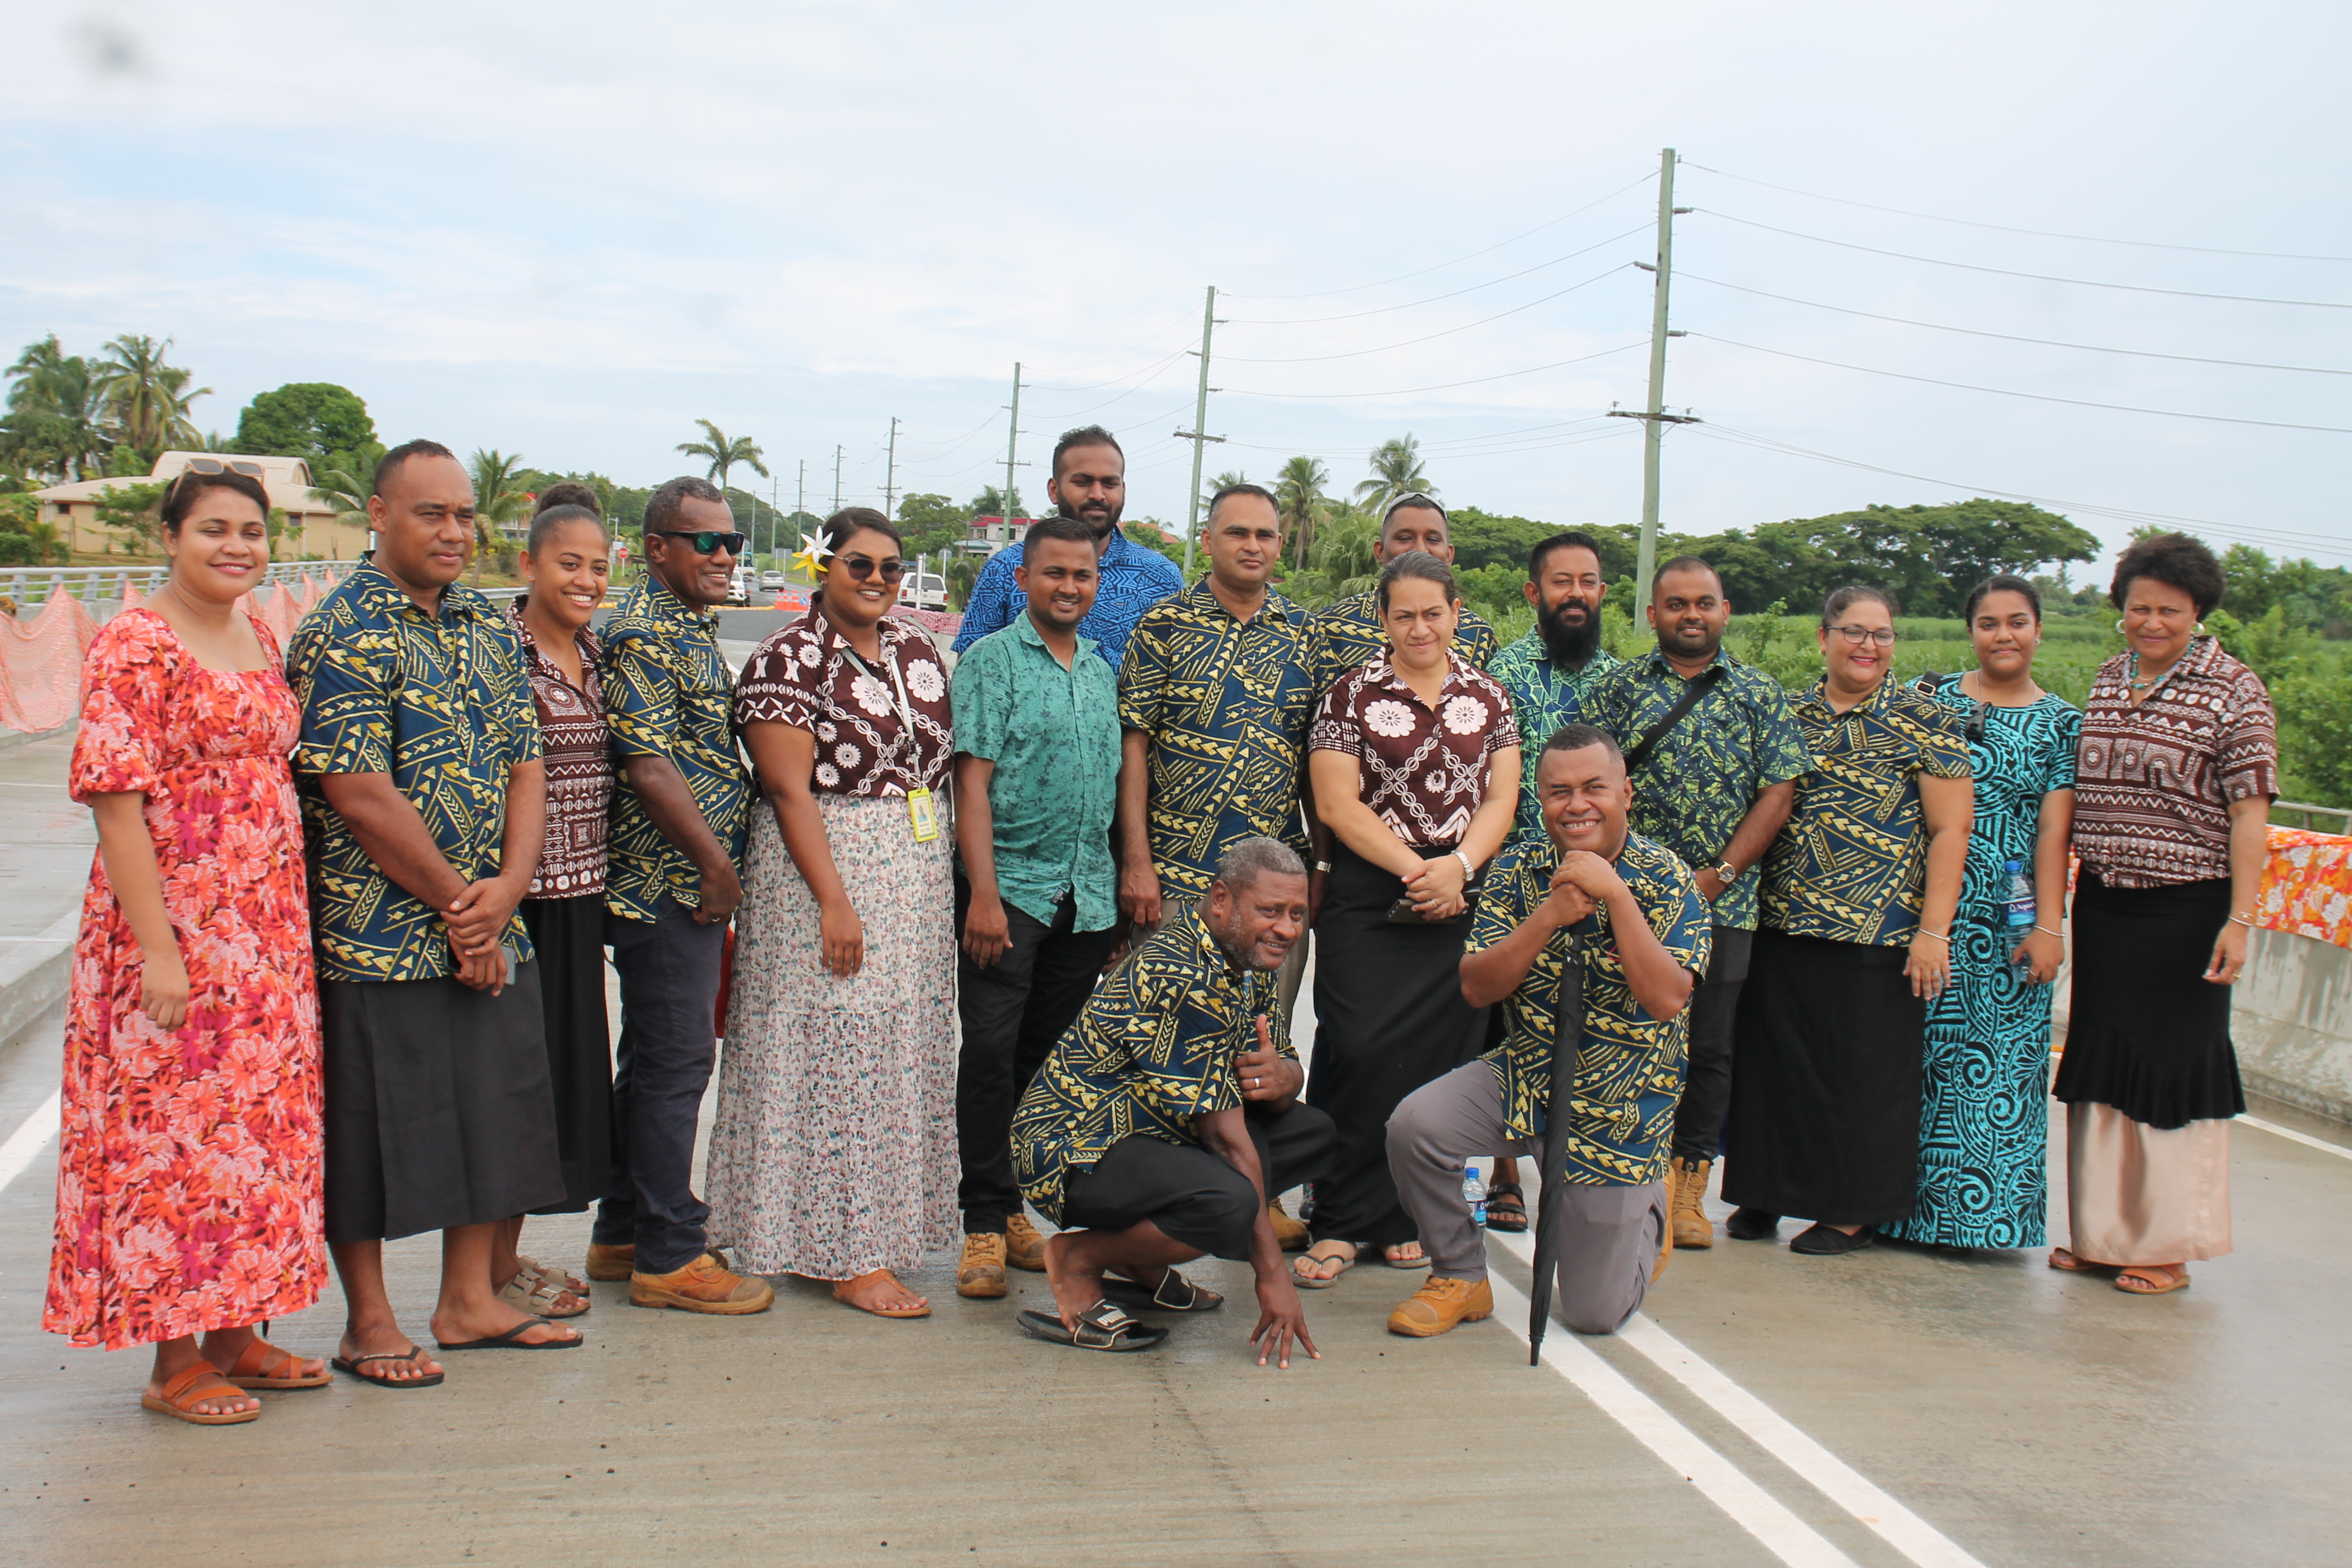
{"x":2045,"y":931}
{"x":1469,"y":872}
{"x":2243,"y":920}
{"x":1939,"y":936}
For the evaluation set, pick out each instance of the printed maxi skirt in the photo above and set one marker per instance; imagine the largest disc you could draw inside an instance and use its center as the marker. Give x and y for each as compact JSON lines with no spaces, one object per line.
{"x":834,"y":1148}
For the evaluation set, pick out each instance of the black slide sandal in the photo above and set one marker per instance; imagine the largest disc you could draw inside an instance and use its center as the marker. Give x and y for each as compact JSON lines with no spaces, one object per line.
{"x":1101,"y":1327}
{"x":1175,"y":1294}
{"x":512,"y":1339}
{"x":1507,"y":1209}
{"x":352,"y":1365}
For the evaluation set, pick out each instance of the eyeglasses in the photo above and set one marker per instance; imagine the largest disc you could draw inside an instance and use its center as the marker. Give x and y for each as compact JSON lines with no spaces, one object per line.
{"x":708,"y":541}
{"x":214,"y":465}
{"x":861,"y":568}
{"x":1883,"y":636}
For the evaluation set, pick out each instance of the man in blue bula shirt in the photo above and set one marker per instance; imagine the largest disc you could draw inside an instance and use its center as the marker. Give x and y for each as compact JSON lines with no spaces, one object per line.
{"x":1090,"y":483}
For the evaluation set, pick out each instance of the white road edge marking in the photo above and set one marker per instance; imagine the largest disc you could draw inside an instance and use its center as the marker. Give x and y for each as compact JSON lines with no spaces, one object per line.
{"x":2321,"y":1144}
{"x":1750,"y":1506}
{"x":29,"y":1139}
{"x":1914,"y":1537}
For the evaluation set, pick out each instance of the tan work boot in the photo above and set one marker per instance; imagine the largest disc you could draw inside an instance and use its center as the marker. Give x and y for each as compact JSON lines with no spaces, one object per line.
{"x":611,"y":1264}
{"x":981,"y":1275}
{"x":1687,"y":1219}
{"x":1290,"y":1234}
{"x":1438,"y":1305}
{"x":702,"y":1285}
{"x":1023,"y":1247}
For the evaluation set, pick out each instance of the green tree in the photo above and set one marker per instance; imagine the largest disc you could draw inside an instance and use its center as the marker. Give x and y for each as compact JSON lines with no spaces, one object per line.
{"x":991,"y":502}
{"x":725,"y":453}
{"x":498,"y":499}
{"x":25,"y":540}
{"x":1396,"y":470}
{"x":317,"y":421}
{"x":147,"y":398}
{"x":56,"y":421}
{"x":1225,"y":480}
{"x":136,"y":511}
{"x":1299,"y":496}
{"x":930,"y":523}
{"x":1147,"y":532}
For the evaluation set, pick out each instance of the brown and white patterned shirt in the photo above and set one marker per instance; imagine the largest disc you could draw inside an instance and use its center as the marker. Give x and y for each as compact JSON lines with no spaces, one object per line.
{"x":2153,"y":784}
{"x":575,"y":747}
{"x":1424,"y":770}
{"x":807,"y":676}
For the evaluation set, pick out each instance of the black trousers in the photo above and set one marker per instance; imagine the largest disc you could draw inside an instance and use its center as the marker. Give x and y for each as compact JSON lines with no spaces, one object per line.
{"x":1194,"y":1197}
{"x":669,"y":990}
{"x":1012,"y":1013}
{"x":1706,"y":1085}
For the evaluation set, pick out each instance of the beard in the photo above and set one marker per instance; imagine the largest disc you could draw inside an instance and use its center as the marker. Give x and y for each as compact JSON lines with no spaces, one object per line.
{"x":1103,"y":523}
{"x":1572,"y":644}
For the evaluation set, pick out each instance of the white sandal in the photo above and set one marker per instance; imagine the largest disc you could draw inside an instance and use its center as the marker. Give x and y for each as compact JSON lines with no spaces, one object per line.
{"x":538,"y":1296}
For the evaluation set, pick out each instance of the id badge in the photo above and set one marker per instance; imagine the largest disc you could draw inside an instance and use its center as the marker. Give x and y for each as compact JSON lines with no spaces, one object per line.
{"x":923,"y":814}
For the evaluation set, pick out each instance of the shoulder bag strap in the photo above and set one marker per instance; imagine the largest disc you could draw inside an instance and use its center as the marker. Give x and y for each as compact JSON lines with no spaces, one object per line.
{"x":1694,"y":692}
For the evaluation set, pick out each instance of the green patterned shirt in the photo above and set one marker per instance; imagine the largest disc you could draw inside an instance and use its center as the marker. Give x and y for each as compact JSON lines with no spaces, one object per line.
{"x":1154,"y":1049}
{"x":1227,"y":704}
{"x":1696,"y":787}
{"x":1352,"y":633}
{"x":1629,"y":1070}
{"x":1545,"y":698}
{"x":441,"y":704}
{"x":1852,"y":865}
{"x":667,"y":695}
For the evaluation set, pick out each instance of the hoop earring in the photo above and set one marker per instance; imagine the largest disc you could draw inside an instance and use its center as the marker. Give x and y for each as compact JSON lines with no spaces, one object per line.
{"x":2119,"y":623}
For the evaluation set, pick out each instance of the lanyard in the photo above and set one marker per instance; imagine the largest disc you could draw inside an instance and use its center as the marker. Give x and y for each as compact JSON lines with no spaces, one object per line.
{"x":905,"y":710}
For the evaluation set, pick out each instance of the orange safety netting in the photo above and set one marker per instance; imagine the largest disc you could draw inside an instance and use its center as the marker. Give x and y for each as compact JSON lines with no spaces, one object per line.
{"x":40,"y":663}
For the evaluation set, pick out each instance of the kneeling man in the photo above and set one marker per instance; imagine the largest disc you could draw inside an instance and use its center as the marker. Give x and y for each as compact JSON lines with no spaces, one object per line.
{"x":1646,"y":932}
{"x":1167,"y":1115}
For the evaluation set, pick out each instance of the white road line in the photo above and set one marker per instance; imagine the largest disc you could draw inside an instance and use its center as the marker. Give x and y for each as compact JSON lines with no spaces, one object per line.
{"x":1750,"y":1506}
{"x":29,"y":1139}
{"x":1914,"y":1537}
{"x":2321,"y":1144}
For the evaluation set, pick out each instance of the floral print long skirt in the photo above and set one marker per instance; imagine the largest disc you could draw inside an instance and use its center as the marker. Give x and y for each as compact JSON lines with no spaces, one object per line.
{"x":834,"y":1148}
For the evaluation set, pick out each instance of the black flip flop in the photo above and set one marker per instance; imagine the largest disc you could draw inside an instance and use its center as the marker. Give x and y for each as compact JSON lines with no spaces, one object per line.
{"x":1104,"y":1326}
{"x":352,"y":1365}
{"x":512,"y":1339}
{"x":1174,"y":1294}
{"x":1515,"y":1221}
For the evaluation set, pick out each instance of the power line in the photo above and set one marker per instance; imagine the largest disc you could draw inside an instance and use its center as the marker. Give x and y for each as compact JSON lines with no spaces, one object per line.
{"x":1114,"y":381}
{"x":2036,"y":276}
{"x":1401,"y":277}
{"x":2015,"y":338}
{"x":2036,"y":396}
{"x":1444,"y":386}
{"x":1433,"y":299}
{"x":2006,"y":228}
{"x":1449,"y":332}
{"x":1120,"y":397}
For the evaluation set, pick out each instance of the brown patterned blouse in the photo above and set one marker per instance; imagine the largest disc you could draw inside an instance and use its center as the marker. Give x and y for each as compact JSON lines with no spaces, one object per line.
{"x":573,"y":743}
{"x":1424,"y":771}
{"x":2153,"y":784}
{"x":807,"y":676}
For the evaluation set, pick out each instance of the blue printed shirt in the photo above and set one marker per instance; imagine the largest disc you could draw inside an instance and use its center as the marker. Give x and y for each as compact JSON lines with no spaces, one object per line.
{"x":1133,"y":580}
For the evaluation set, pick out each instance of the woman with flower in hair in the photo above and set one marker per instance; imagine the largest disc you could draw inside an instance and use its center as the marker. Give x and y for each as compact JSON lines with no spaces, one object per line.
{"x":1414,"y":759}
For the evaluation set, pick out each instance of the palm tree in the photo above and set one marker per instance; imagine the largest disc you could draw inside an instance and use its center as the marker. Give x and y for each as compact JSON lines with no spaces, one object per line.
{"x":346,"y":492}
{"x":724,"y":454}
{"x":1396,"y":470}
{"x":57,"y":419}
{"x":1299,"y":496}
{"x":1223,"y":482}
{"x":146,"y":398}
{"x":498,"y":499}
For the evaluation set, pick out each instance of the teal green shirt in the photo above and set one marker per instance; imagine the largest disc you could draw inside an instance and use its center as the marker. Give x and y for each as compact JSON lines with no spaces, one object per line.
{"x":1053,"y":736}
{"x":1545,"y":696}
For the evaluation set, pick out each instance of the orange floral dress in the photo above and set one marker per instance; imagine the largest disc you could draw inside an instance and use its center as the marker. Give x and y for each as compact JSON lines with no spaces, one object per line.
{"x":189,"y":1172}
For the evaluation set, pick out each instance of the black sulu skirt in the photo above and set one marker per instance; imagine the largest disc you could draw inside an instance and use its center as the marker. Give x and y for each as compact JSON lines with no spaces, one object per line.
{"x":569,"y":934}
{"x":2145,"y":1032}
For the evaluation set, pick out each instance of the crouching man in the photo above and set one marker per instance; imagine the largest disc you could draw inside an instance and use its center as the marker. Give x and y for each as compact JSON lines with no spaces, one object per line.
{"x":1644,"y":949}
{"x":1169,"y":1113}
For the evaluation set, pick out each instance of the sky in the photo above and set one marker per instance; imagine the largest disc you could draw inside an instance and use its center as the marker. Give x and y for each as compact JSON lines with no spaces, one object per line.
{"x":570,"y":231}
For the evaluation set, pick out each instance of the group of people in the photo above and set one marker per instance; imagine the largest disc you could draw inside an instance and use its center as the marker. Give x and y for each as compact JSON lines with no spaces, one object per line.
{"x":1029,"y":936}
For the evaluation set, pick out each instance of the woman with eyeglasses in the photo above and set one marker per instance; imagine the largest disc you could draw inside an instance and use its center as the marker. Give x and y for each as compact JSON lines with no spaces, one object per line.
{"x":1984,"y":1121}
{"x":1853,"y":945}
{"x":833,"y":1152}
{"x":190,"y":1165}
{"x":2174,"y":782}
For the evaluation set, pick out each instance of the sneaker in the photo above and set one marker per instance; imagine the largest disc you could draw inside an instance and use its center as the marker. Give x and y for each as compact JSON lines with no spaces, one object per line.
{"x":1023,"y":1247}
{"x":1441,"y":1304}
{"x":611,"y":1264}
{"x":702,"y":1285}
{"x":1290,"y":1234}
{"x":981,"y":1275}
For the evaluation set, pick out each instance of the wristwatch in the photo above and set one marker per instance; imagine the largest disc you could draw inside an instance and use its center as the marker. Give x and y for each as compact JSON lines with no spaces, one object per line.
{"x":1726,"y":873}
{"x":1324,"y":867}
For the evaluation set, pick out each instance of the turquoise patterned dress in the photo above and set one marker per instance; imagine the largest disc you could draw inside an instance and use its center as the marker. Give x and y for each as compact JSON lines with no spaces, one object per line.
{"x":1983,"y":1109}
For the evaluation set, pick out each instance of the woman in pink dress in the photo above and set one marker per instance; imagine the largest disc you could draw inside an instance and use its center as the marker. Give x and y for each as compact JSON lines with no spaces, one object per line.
{"x":188,"y":1176}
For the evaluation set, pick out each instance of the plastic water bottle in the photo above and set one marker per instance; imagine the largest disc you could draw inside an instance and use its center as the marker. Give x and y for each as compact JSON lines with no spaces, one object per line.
{"x":1473,"y":1193}
{"x":2016,"y":916}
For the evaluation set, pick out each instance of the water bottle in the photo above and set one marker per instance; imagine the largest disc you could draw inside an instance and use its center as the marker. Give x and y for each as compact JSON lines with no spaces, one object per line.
{"x":1473,"y":1193}
{"x":2016,"y":916}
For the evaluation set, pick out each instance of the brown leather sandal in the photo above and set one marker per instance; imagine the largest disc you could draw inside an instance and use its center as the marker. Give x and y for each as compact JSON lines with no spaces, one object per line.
{"x":262,"y":1363}
{"x":191,"y":1386}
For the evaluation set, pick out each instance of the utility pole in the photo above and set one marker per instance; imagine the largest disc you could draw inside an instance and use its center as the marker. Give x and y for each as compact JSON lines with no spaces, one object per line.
{"x":1655,"y":418}
{"x":1198,"y":435}
{"x":775,"y":513}
{"x":800,"y":502}
{"x":1012,"y":442}
{"x":890,"y":471}
{"x":837,"y":477}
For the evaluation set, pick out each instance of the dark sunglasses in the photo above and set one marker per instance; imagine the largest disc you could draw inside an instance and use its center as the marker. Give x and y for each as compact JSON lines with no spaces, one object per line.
{"x":708,"y":541}
{"x":859,"y":567}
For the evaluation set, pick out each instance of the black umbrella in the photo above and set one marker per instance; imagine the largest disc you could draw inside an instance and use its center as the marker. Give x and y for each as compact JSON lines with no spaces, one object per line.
{"x":1566,"y":1042}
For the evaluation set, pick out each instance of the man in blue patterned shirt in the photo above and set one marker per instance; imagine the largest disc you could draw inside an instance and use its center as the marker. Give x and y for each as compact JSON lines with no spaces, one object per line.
{"x":1090,"y":483}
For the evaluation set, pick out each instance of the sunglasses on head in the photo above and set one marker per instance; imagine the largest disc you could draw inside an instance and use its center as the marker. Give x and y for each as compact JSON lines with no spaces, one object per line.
{"x":861,"y":568}
{"x":709,"y":541}
{"x":215,"y":466}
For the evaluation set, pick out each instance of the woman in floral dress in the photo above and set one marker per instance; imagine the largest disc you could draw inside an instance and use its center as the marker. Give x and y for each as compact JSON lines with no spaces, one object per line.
{"x":833,"y":1154}
{"x":188,"y":1175}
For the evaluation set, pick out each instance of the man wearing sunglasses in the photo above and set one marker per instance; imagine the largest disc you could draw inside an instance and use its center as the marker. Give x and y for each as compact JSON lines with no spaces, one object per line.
{"x":681,"y":806}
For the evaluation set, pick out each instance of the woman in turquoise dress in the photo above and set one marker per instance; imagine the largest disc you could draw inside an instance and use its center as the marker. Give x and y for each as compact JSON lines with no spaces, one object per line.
{"x":1984,"y":1112}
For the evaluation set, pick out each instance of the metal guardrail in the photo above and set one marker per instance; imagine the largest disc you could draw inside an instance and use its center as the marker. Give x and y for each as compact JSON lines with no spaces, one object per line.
{"x":2342,"y":814}
{"x":30,"y":585}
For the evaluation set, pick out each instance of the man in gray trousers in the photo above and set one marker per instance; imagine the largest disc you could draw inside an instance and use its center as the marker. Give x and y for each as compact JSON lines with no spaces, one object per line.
{"x":1645,"y":931}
